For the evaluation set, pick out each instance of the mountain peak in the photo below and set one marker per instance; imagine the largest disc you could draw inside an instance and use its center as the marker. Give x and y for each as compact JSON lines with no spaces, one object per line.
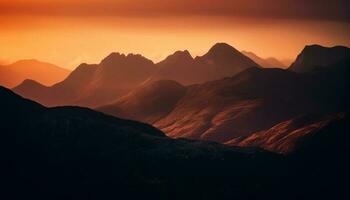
{"x":178,"y":57}
{"x":30,"y":82}
{"x":313,"y":56}
{"x":114,"y":56}
{"x":222,"y":49}
{"x":183,"y":54}
{"x":117,"y":58}
{"x":225,"y":55}
{"x":315,"y":48}
{"x":26,"y":61}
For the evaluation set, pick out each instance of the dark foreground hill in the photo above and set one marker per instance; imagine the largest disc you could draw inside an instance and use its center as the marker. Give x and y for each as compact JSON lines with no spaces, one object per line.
{"x":71,"y":152}
{"x":77,"y":153}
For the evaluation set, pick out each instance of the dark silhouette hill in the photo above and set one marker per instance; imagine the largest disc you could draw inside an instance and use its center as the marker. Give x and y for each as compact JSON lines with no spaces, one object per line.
{"x":222,"y":60}
{"x":74,"y":153}
{"x":48,"y":74}
{"x":264,"y":62}
{"x":316,"y":56}
{"x":93,"y":85}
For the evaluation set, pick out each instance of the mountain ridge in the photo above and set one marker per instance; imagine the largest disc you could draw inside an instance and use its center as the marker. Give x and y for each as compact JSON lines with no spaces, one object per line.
{"x":13,"y":74}
{"x":223,"y":109}
{"x":270,"y":62}
{"x":94,"y":85}
{"x":316,"y":56}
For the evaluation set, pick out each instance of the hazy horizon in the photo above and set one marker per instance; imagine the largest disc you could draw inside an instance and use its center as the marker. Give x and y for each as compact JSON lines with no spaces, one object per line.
{"x":67,"y":33}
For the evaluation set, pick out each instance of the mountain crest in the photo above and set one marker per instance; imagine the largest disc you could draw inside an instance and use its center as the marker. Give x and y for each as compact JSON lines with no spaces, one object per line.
{"x":178,"y":57}
{"x":115,"y":56}
{"x":313,"y":56}
{"x":182,"y":54}
{"x":119,"y":58}
{"x":221,"y":50}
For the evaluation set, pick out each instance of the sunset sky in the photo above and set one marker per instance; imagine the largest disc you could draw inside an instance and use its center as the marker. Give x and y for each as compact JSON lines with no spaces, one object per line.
{"x":68,"y":32}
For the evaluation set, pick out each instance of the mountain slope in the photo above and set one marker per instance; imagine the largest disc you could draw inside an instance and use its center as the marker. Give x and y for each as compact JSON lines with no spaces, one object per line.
{"x":118,"y":74}
{"x":71,"y":152}
{"x":316,"y":56}
{"x":48,"y":74}
{"x":179,"y":67}
{"x":231,"y":107}
{"x":74,"y":153}
{"x":255,"y":99}
{"x":267,"y":63}
{"x":94,"y":84}
{"x":149,"y":103}
{"x":285,"y":136}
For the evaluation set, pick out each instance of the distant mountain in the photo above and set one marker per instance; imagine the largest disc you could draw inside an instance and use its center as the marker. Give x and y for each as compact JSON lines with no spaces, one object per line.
{"x":48,"y":74}
{"x":93,"y":85}
{"x":118,"y":74}
{"x":180,"y":67}
{"x":222,"y":60}
{"x":266,"y":63}
{"x":226,"y":59}
{"x":255,"y":99}
{"x":315,"y":56}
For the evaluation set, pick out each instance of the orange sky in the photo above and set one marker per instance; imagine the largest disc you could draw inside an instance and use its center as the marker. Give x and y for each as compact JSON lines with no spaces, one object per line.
{"x":70,"y":32}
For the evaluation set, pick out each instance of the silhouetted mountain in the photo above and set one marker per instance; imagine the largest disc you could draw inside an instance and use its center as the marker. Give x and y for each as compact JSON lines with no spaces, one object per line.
{"x":255,"y":99}
{"x":228,"y":58}
{"x":71,"y":152}
{"x":74,"y":153}
{"x":316,"y":56}
{"x":178,"y":57}
{"x":266,"y":63}
{"x":45,"y":73}
{"x":93,"y":85}
{"x":179,"y":66}
{"x":222,"y":60}
{"x":118,"y":74}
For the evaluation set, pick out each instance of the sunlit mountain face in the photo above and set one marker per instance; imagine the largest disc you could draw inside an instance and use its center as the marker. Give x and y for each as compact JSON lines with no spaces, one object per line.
{"x":67,"y":33}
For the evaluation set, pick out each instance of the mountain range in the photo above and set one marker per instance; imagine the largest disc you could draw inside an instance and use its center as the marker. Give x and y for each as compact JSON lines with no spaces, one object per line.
{"x":117,"y":74}
{"x":222,"y":60}
{"x":47,"y":74}
{"x":218,"y":126}
{"x":254,"y":100}
{"x":226,"y":109}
